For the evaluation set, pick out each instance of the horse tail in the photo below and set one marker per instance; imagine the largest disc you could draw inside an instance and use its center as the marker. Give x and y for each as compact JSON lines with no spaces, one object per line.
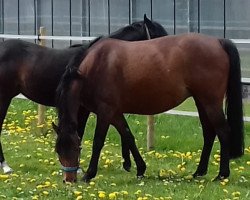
{"x":233,"y":106}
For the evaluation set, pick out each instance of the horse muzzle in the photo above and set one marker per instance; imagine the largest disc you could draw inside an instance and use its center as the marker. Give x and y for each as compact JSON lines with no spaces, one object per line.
{"x":70,"y":174}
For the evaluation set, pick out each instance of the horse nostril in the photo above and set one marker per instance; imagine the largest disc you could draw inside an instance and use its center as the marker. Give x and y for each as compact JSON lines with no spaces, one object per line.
{"x":64,"y":181}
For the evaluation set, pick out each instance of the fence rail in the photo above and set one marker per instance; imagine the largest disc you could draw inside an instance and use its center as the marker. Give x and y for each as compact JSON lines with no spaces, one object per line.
{"x":78,"y":38}
{"x":45,"y":37}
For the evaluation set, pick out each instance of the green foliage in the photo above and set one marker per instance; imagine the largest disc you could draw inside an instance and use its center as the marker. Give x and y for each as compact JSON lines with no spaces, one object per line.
{"x":29,"y":150}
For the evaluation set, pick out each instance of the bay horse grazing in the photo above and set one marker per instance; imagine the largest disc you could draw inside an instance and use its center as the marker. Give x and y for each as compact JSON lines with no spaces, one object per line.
{"x":35,"y":71}
{"x":150,"y":77}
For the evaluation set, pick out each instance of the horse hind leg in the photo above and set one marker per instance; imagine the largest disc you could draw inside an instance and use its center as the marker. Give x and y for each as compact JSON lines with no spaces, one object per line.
{"x":209,"y":136}
{"x":222,"y":130}
{"x":216,"y":118}
{"x":4,"y":104}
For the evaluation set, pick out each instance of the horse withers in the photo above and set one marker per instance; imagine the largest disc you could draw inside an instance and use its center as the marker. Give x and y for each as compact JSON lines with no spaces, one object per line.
{"x":150,"y":77}
{"x":35,"y":72}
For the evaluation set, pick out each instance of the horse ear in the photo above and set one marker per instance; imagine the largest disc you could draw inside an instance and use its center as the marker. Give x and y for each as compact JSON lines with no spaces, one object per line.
{"x":147,"y":20}
{"x":55,"y":127}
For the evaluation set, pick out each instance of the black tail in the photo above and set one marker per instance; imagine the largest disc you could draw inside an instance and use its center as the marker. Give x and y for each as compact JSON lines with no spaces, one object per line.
{"x":234,"y":107}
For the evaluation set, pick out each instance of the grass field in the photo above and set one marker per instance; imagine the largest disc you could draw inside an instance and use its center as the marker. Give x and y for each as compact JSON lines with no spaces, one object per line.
{"x":29,"y":150}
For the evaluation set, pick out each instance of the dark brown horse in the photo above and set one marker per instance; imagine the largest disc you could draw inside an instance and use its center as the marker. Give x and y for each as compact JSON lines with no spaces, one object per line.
{"x":150,"y":77}
{"x":35,"y":72}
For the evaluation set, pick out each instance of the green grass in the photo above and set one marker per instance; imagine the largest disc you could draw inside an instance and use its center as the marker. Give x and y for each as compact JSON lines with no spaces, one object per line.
{"x":29,"y":150}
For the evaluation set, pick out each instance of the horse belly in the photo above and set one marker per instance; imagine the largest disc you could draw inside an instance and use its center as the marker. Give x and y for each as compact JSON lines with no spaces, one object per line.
{"x":153,"y":102}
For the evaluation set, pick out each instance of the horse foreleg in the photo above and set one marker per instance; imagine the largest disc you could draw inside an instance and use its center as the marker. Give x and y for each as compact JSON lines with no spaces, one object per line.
{"x":128,"y":142}
{"x":4,"y":104}
{"x":83,"y":115}
{"x":125,"y":146}
{"x":209,"y":136}
{"x":102,"y":126}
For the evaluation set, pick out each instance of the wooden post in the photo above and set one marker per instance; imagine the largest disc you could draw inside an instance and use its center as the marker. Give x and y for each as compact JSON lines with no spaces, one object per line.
{"x":41,"y":108}
{"x":150,"y":132}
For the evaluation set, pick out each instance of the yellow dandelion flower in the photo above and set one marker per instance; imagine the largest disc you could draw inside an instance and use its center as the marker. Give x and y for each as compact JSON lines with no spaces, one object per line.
{"x":82,"y":161}
{"x":188,"y":154}
{"x":54,"y":173}
{"x":79,"y":197}
{"x":101,"y":194}
{"x":47,"y":183}
{"x":39,"y":186}
{"x":112,"y":195}
{"x":14,"y":175}
{"x":226,"y":191}
{"x":201,"y":187}
{"x":92,"y":183}
{"x":124,"y":192}
{"x":4,"y":176}
{"x":36,"y":197}
{"x":77,"y":193}
{"x":92,"y":195}
{"x":182,"y":169}
{"x":137,"y":192}
{"x":237,"y":193}
{"x":223,"y":183}
{"x":40,"y":126}
{"x":46,"y":193}
{"x":188,"y":177}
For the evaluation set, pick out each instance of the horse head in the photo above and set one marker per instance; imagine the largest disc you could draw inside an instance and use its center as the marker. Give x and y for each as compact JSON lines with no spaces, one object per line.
{"x":140,"y":30}
{"x":68,"y":150}
{"x":153,"y":28}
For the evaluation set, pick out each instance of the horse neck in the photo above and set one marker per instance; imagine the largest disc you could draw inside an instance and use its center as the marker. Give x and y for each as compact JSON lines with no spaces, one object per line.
{"x":128,"y":34}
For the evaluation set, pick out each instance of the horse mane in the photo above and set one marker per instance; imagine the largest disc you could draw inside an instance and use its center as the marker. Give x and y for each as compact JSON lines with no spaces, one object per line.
{"x":87,"y":45}
{"x":64,"y":86}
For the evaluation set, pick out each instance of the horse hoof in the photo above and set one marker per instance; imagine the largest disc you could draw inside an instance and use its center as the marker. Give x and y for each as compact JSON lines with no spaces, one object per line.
{"x":199,"y":174}
{"x":140,"y":177}
{"x":86,"y":179}
{"x":126,"y":166}
{"x":8,"y":171}
{"x":6,"y":168}
{"x":80,"y":171}
{"x":219,"y":178}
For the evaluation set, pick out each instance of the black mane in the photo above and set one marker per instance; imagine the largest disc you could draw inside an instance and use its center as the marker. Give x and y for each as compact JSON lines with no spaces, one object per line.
{"x":70,"y":74}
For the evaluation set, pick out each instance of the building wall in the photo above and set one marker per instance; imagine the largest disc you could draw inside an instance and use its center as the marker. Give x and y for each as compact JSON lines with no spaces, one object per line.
{"x":221,"y":18}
